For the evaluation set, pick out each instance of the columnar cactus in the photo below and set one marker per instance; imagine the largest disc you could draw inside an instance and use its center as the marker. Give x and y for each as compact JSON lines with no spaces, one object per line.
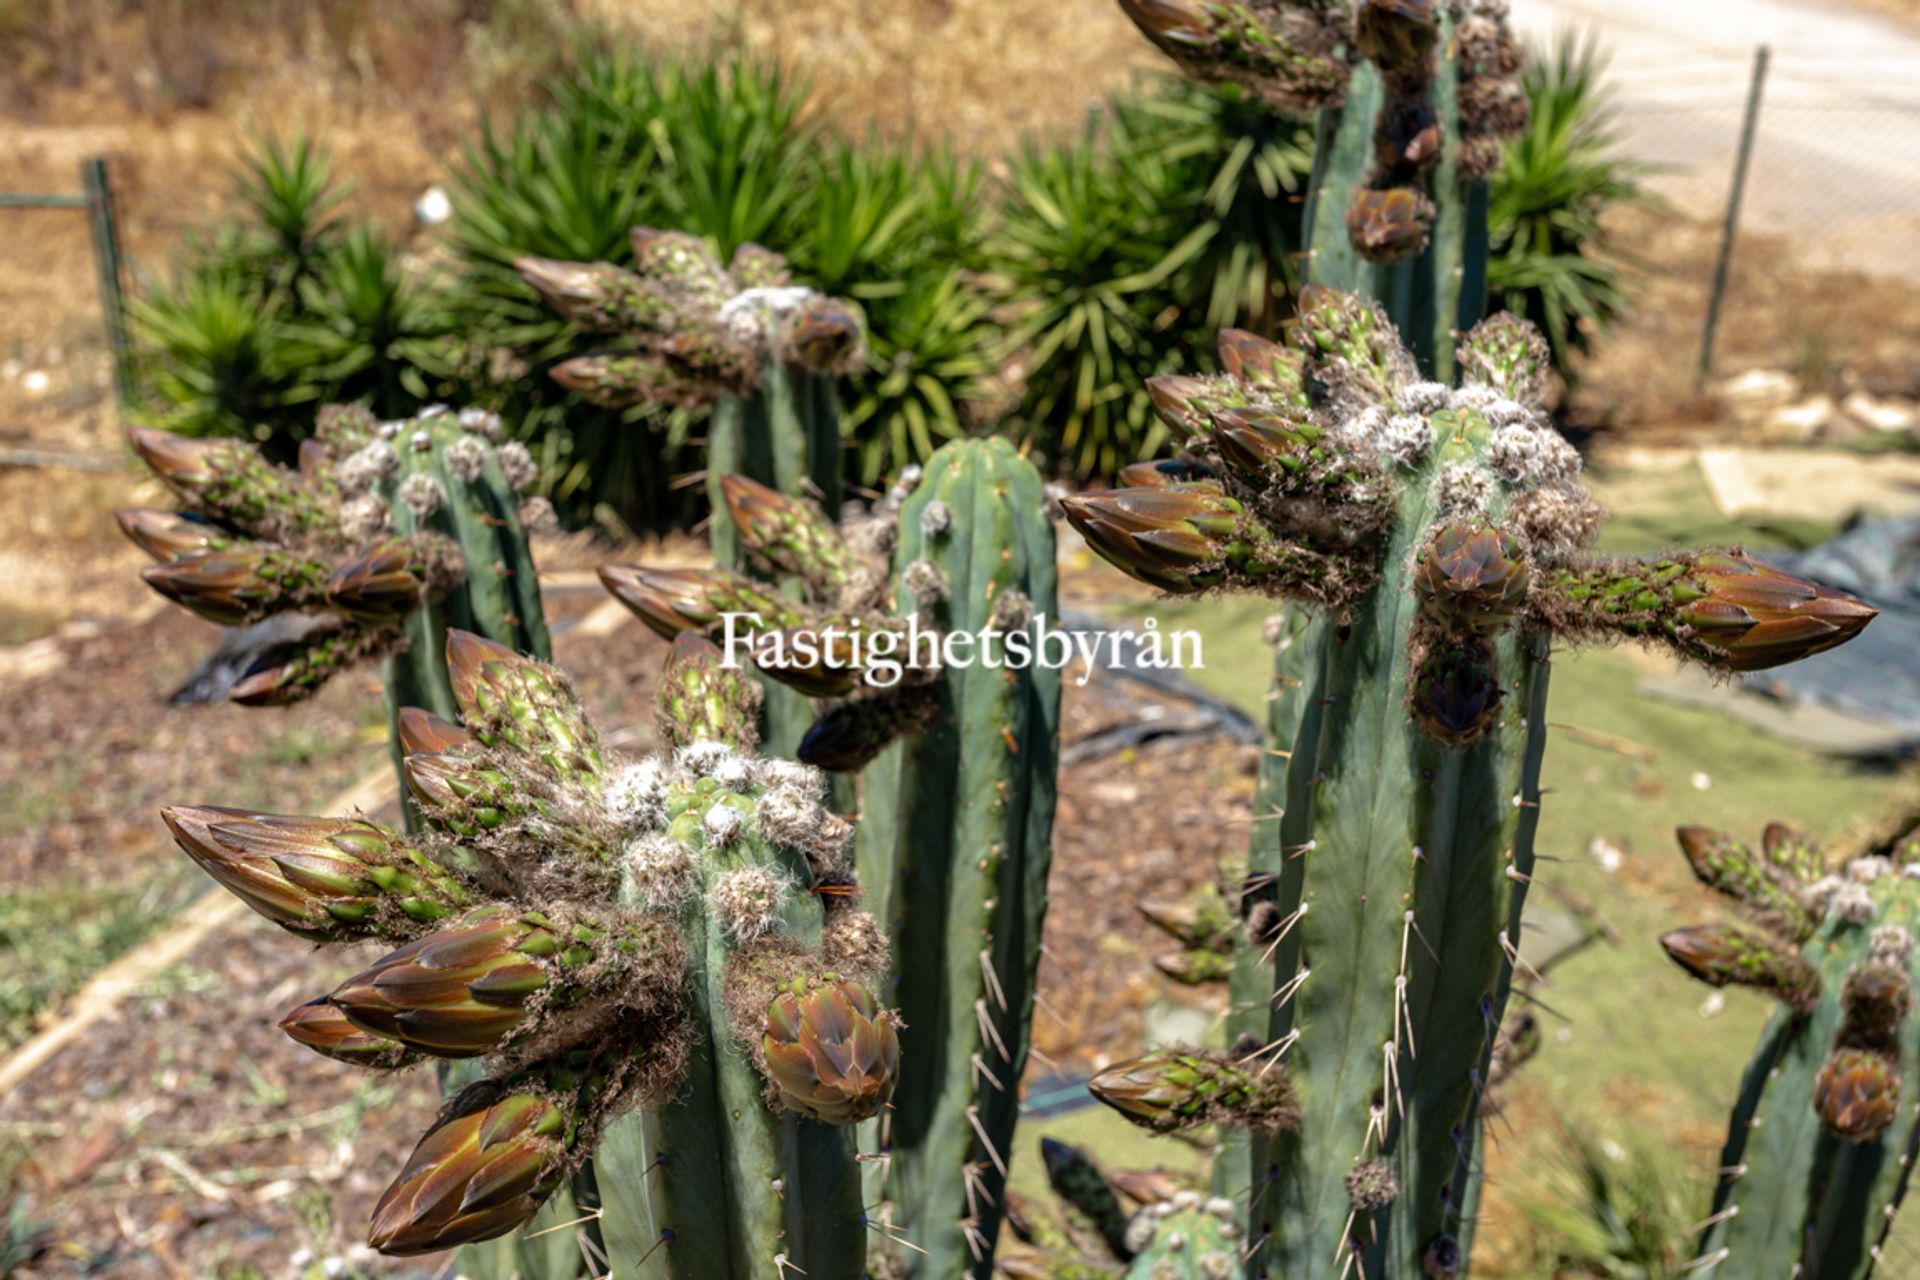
{"x":761,"y":353}
{"x":1822,"y":1136}
{"x":956,"y":845}
{"x":680,"y":932}
{"x":384,"y":527}
{"x":1438,"y":535}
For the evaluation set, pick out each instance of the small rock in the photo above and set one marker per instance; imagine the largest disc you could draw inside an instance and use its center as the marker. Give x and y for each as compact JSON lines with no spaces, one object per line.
{"x":1881,"y":414}
{"x":1758,"y":390}
{"x":1701,"y":781}
{"x":434,"y":206}
{"x":1802,"y":420}
{"x":1608,"y":854}
{"x":35,"y":382}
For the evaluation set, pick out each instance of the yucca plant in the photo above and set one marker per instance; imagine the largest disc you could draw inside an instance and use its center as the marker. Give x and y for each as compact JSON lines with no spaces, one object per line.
{"x":1553,"y":260}
{"x":291,"y":197}
{"x":366,"y":333}
{"x":1082,"y":270}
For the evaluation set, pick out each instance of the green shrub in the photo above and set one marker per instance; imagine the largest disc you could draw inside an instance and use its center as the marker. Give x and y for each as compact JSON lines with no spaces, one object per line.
{"x":1552,"y":261}
{"x":285,"y":309}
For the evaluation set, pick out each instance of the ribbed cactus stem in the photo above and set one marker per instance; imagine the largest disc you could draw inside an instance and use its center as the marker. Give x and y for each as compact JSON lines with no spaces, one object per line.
{"x":1820,"y":1143}
{"x":955,"y":846}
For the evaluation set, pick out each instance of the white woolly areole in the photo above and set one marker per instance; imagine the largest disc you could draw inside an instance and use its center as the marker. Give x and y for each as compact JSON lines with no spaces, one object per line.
{"x":1406,"y":439}
{"x":484,"y":423}
{"x":1910,"y":870}
{"x":468,"y":458}
{"x":1509,"y":413}
{"x":936,"y":518}
{"x":365,"y":518}
{"x":788,"y":817}
{"x":722,"y":825}
{"x":808,"y":781}
{"x":434,"y":411}
{"x":735,"y":773}
{"x":903,"y":487}
{"x":1360,"y":430}
{"x":517,"y":465}
{"x":1462,"y":490}
{"x":751,"y":314}
{"x":1532,"y":456}
{"x":1892,"y":944}
{"x":701,"y":758}
{"x":366,"y":466}
{"x":1868,"y":869}
{"x":538,"y":516}
{"x":747,"y":902}
{"x":636,"y":797}
{"x":924,"y":581}
{"x":1852,"y":902}
{"x":420,"y":441}
{"x":422,"y":494}
{"x":389,"y":430}
{"x":661,"y":871}
{"x":1426,"y":397}
{"x":1474,"y":395}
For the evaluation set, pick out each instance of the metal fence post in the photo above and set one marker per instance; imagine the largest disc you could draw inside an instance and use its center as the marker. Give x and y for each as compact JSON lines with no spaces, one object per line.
{"x":1761,"y":56}
{"x":106,"y":250}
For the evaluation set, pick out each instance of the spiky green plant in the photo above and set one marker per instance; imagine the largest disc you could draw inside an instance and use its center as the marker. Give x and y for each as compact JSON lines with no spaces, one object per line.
{"x":677,"y":933}
{"x":1821,"y":1138}
{"x":1437,"y":535}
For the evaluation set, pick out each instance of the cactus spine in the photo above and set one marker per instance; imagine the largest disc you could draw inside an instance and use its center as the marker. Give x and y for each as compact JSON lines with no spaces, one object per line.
{"x":1821,"y":1140}
{"x":956,"y":844}
{"x":762,"y":354}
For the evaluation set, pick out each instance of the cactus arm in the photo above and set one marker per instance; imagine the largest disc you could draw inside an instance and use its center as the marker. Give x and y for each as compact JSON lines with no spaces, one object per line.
{"x":1787,"y":1187}
{"x":971,"y":820}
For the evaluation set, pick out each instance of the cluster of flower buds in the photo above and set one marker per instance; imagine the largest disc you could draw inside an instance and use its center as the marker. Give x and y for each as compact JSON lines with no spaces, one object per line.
{"x":1172,"y":1090}
{"x":694,"y":329}
{"x":1836,"y":948}
{"x":819,"y":644}
{"x":1303,"y":462}
{"x":540,"y":920}
{"x":319,"y":545}
{"x":1205,"y":929}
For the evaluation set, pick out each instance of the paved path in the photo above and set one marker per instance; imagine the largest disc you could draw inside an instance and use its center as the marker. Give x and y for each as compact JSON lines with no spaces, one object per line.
{"x":1837,"y":166}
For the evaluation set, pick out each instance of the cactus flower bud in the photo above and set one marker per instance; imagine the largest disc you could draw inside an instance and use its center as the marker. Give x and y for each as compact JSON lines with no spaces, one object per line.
{"x":1276,"y":372}
{"x":597,"y":296}
{"x":788,"y":534}
{"x":1407,"y":136}
{"x":1257,"y":442}
{"x":616,"y":380}
{"x":1472,"y":579}
{"x":239,"y":585}
{"x":485,"y":1167}
{"x":852,"y":734}
{"x":1876,"y":997}
{"x":1180,"y":540}
{"x":166,"y":536}
{"x":1199,"y":920}
{"x":824,"y":338}
{"x":1398,"y":35}
{"x":389,"y":581}
{"x":831,"y":1052}
{"x":1792,"y":851}
{"x":1076,"y":1179}
{"x":1195,"y":968}
{"x":1387,"y":225}
{"x":1187,"y":405}
{"x":1719,"y":608}
{"x":288,"y":673}
{"x":1726,"y":866}
{"x":1175,"y":1089}
{"x":1456,"y":697}
{"x":1761,"y":617}
{"x":1857,"y":1094}
{"x":327,"y":879}
{"x":508,"y":699}
{"x":700,"y":699}
{"x":1723,"y":954}
{"x":463,"y":991}
{"x":1166,"y":474}
{"x":324,"y":1029}
{"x":675,"y":600}
{"x":422,"y":732}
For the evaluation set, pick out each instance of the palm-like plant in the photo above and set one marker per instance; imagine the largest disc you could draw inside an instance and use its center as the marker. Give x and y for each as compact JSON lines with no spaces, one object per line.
{"x":1552,"y":261}
{"x":1082,"y":272}
{"x":368,"y":334}
{"x":1624,"y":1217}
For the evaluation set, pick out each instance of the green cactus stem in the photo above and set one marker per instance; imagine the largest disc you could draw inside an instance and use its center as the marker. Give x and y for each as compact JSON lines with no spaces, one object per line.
{"x":955,"y":846}
{"x":1820,"y":1141}
{"x":1394,"y":837}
